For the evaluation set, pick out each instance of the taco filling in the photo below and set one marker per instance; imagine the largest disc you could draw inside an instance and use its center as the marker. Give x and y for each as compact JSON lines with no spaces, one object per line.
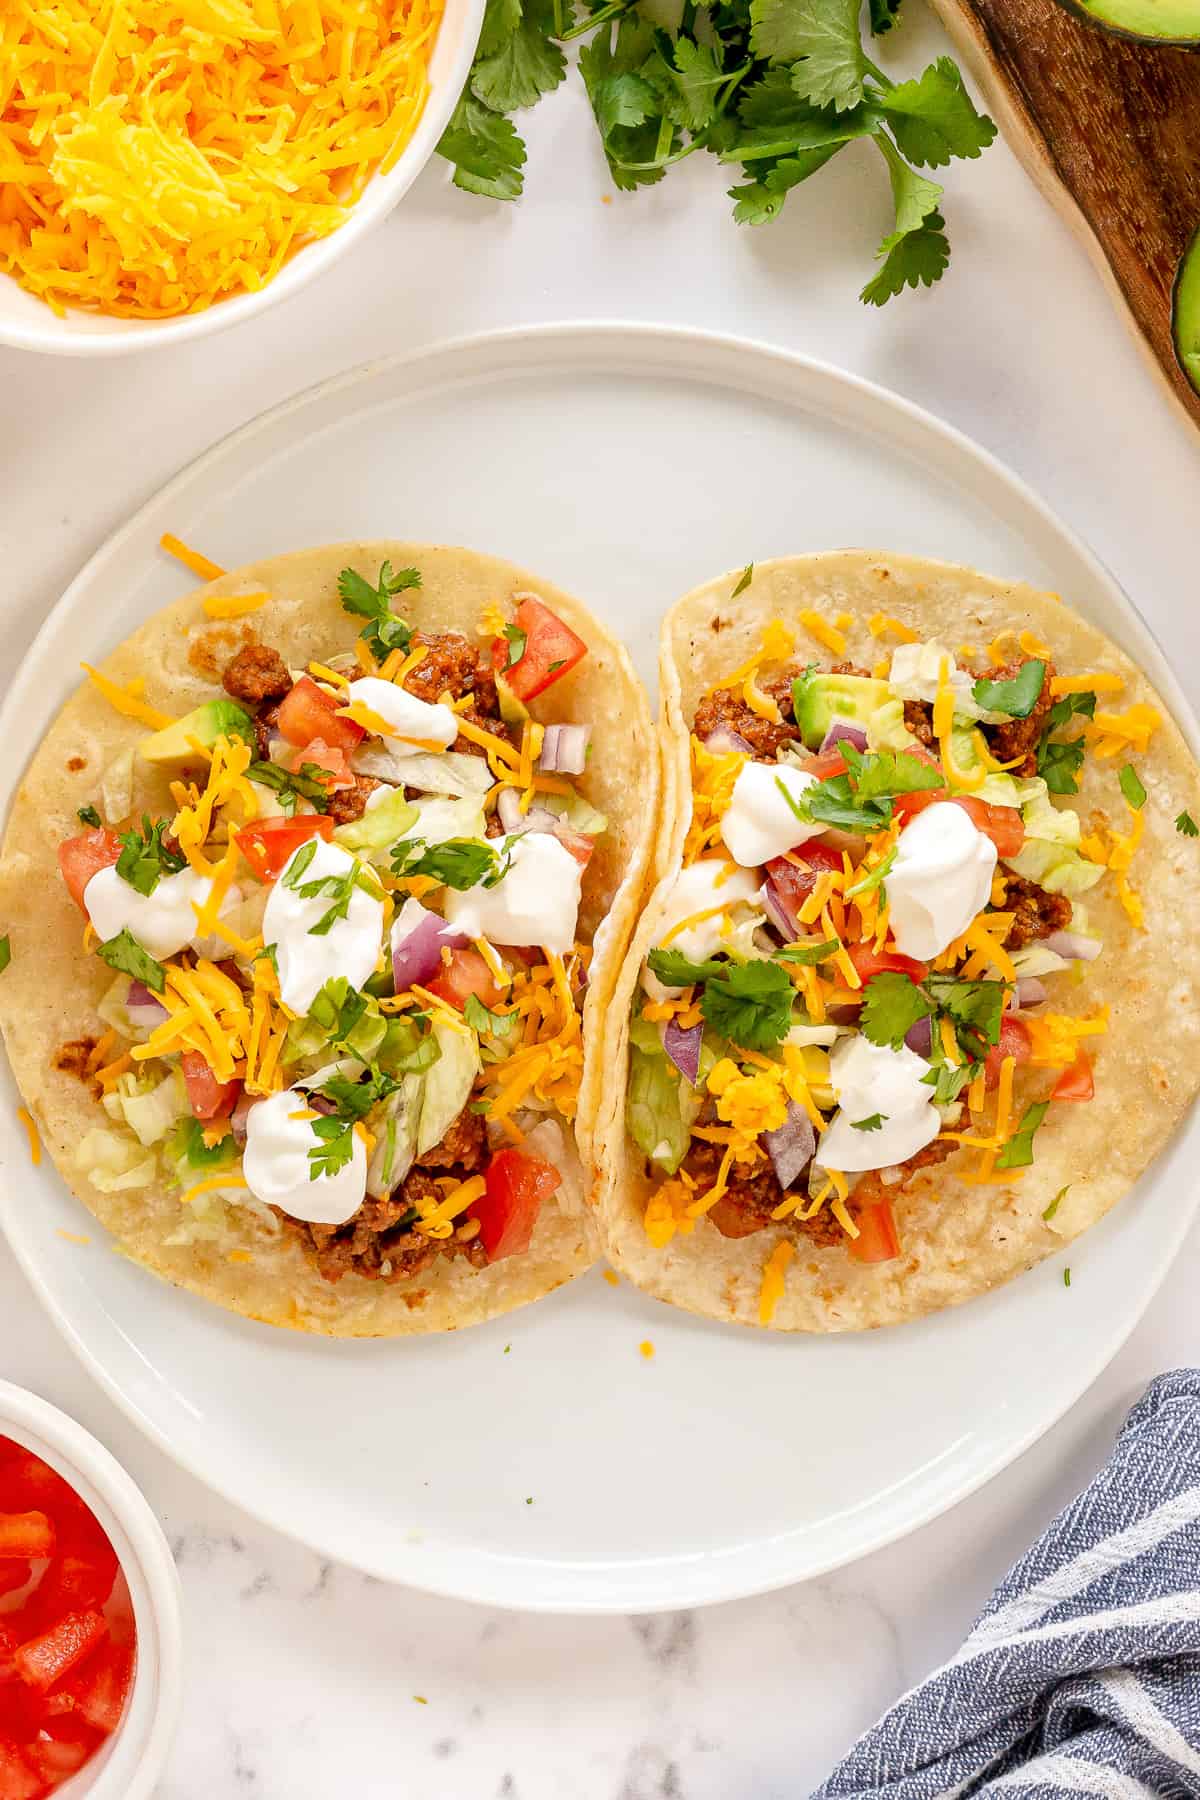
{"x":346,"y":973}
{"x":875,"y":954}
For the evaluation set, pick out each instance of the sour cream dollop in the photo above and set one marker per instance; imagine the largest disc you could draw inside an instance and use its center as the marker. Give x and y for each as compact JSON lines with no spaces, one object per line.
{"x":404,"y":715}
{"x":163,"y":922}
{"x":759,"y":823}
{"x":698,"y":889}
{"x":277,"y":1167}
{"x":941,"y":878}
{"x":870,"y":1079}
{"x":351,"y":945}
{"x":536,"y":903}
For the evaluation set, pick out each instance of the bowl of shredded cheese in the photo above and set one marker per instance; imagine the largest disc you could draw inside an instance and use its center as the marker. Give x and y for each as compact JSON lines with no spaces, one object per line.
{"x":168,"y":167}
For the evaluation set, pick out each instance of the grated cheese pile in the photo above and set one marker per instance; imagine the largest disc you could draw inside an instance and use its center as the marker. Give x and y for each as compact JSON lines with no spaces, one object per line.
{"x":157,"y":157}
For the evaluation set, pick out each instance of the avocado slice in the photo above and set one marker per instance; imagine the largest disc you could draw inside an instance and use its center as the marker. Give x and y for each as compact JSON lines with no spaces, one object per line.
{"x":1185,"y":312}
{"x":205,"y":724}
{"x":1146,"y":21}
{"x":821,"y":699}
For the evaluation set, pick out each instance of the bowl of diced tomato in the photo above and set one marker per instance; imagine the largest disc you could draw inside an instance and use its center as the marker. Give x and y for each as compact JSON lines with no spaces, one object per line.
{"x":90,"y":1633}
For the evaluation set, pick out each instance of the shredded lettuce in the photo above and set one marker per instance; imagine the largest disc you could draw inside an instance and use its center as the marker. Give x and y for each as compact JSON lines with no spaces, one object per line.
{"x":114,"y":1161}
{"x":915,"y":674}
{"x":576,"y":812}
{"x":448,"y":1082}
{"x":450,"y":772}
{"x":149,"y":1106}
{"x":388,"y":818}
{"x":1050,"y":854}
{"x":116,"y":787}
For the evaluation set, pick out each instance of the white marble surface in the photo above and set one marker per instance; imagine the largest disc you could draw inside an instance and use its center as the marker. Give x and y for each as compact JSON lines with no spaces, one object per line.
{"x":302,"y":1677}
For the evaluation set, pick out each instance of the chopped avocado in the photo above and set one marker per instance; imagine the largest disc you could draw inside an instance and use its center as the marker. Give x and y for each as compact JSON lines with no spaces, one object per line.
{"x":512,"y":710}
{"x":1185,"y":307}
{"x":204,"y":724}
{"x":822,"y":699}
{"x":1153,"y":21}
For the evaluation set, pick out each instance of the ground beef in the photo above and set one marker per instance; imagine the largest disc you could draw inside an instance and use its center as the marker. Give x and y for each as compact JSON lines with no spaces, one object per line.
{"x":1037,"y":914}
{"x":885,"y":1184}
{"x":347,"y":804}
{"x":72,"y":1058}
{"x":255,"y":674}
{"x":725,"y":708}
{"x":377,"y":1244}
{"x":918,"y":718}
{"x":453,"y":666}
{"x":1019,"y":737}
{"x":465,"y":1143}
{"x":751,"y":1197}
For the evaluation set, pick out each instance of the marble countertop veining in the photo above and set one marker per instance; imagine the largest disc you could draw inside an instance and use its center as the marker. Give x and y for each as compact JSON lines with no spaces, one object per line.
{"x":303,"y":1677}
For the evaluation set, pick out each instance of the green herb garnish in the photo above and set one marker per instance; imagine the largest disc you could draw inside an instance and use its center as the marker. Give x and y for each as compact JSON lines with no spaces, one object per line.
{"x":750,"y":1003}
{"x":674,"y":969}
{"x":482,"y":1019}
{"x":1017,"y":696}
{"x":892,"y":1005}
{"x":385,"y":632}
{"x":308,"y":782}
{"x":87,"y":815}
{"x":1056,"y":1202}
{"x":1018,"y":1152}
{"x":5,"y":953}
{"x":144,"y":857}
{"x":871,"y":1124}
{"x":188,"y":1142}
{"x":1185,"y":823}
{"x":459,"y":863}
{"x":1060,"y":760}
{"x":744,"y":580}
{"x":123,"y":952}
{"x":516,"y":644}
{"x":1132,"y":788}
{"x":809,"y":954}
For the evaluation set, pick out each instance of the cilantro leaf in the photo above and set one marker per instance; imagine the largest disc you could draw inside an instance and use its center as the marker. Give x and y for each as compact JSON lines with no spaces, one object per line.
{"x":5,"y":952}
{"x":334,"y":1147}
{"x":501,"y":18}
{"x":386,"y":631}
{"x":751,"y":1004}
{"x":883,"y":15}
{"x":674,"y":969}
{"x":1016,"y":697}
{"x":1185,"y":824}
{"x":87,"y":815}
{"x":824,"y":36}
{"x":521,"y":64}
{"x":1056,"y":1202}
{"x":1059,"y":762}
{"x":934,"y":118}
{"x":145,"y":858}
{"x":808,"y":954}
{"x":882,"y":773}
{"x":1132,"y":788}
{"x":744,"y":580}
{"x":517,"y":640}
{"x":974,"y":1008}
{"x":1018,"y":1152}
{"x":872,"y":1124}
{"x":892,"y":1005}
{"x":637,"y":135}
{"x":481,"y":1018}
{"x":307,"y":782}
{"x":698,"y":77}
{"x":459,"y":863}
{"x":920,"y":258}
{"x":487,"y":152}
{"x":124,"y":953}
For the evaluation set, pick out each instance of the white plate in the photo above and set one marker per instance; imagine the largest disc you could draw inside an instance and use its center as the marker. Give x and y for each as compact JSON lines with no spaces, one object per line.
{"x":569,"y":1471}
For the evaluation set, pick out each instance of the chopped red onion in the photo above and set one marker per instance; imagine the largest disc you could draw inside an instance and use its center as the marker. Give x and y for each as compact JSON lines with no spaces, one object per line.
{"x":778,"y":911}
{"x":515,"y":822}
{"x":141,"y":995}
{"x":724,"y":739}
{"x":1030,"y":991}
{"x":145,"y":1010}
{"x":682,"y":1045}
{"x":844,"y":1015}
{"x":417,"y":954}
{"x":1074,"y":946}
{"x":919,"y":1037}
{"x":791,"y":1146}
{"x":564,"y":749}
{"x":841,"y":731}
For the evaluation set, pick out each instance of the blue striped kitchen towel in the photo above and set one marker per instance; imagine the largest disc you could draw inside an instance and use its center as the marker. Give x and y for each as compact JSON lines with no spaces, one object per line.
{"x":1083,"y":1674}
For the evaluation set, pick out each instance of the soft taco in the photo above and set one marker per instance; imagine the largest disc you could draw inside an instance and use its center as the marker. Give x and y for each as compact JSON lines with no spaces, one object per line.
{"x":316,"y":890}
{"x":914,"y":1001}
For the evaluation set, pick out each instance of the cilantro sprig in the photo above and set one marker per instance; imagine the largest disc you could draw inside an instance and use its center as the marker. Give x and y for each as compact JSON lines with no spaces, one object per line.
{"x":1186,"y":825}
{"x":125,"y":954}
{"x":748,"y":1003}
{"x":1017,"y":696}
{"x":774,"y":88}
{"x":893,"y":1004}
{"x":338,"y":888}
{"x":862,"y":799}
{"x":1059,"y":760}
{"x":386,"y":631}
{"x":352,"y":1100}
{"x":459,"y":863}
{"x":145,"y":858}
{"x":308,"y":782}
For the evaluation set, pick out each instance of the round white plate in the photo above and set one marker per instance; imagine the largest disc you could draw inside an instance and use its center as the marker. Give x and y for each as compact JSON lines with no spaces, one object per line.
{"x":542,"y":1460}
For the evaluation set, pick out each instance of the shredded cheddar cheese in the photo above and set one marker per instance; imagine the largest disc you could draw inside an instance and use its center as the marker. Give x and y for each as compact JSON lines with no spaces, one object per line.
{"x":776,"y":646}
{"x":157,"y":158}
{"x":125,"y":701}
{"x":31,"y":1131}
{"x":191,"y":559}
{"x":880,"y":622}
{"x":773,"y":1278}
{"x":1095,"y":683}
{"x":234,"y":606}
{"x":823,"y":631}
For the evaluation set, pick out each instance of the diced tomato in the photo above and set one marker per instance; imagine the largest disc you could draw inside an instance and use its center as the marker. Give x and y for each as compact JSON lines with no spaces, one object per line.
{"x":26,"y":1534}
{"x":551,"y":650}
{"x":335,"y":763}
{"x":517,"y":1184}
{"x":208,"y":1098}
{"x":795,"y":881}
{"x":1014,"y":1041}
{"x":268,"y":843}
{"x":465,"y":973}
{"x":1001,"y":823}
{"x":1077,"y":1082}
{"x":99,"y":1688}
{"x":44,"y":1660}
{"x":577,"y":842}
{"x":84,"y":855}
{"x":27,"y":1484}
{"x":82,"y":1573}
{"x":60,"y":1753}
{"x":868,"y":962}
{"x":19,"y":1780}
{"x":14,"y":1573}
{"x":877,"y":1240}
{"x":308,"y":712}
{"x":824,"y":765}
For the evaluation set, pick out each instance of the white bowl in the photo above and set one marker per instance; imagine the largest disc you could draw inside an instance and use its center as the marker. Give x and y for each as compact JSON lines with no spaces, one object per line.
{"x":130,"y":1763}
{"x":27,"y":323}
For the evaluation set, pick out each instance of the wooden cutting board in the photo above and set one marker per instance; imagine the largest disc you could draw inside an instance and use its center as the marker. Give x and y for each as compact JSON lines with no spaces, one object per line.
{"x":1110,"y":131}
